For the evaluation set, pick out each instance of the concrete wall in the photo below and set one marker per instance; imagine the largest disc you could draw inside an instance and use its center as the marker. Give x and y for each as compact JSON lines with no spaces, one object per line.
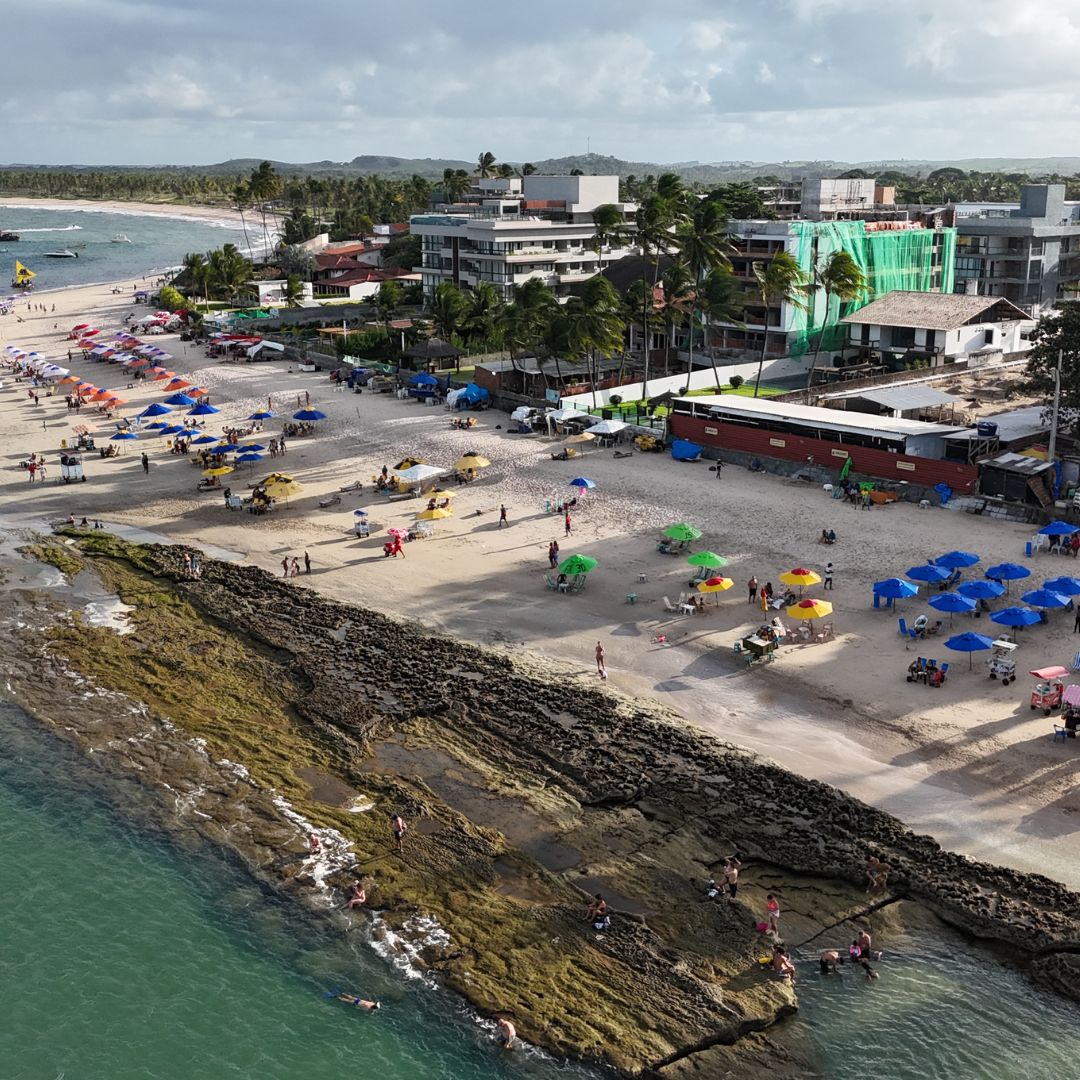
{"x":587,"y":191}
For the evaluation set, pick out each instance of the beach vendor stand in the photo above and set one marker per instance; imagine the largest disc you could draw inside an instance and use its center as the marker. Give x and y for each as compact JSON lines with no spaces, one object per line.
{"x":1000,"y":663}
{"x":1048,"y":689}
{"x":71,"y":468}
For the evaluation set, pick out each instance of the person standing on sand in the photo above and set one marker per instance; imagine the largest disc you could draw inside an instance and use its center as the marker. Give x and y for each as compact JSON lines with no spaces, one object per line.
{"x":307,"y":563}
{"x":828,"y":577}
{"x":285,"y":566}
{"x":294,"y":570}
{"x":566,"y":523}
{"x":145,"y":464}
{"x":502,"y":516}
{"x":553,"y":560}
{"x":399,"y":829}
{"x":601,"y":670}
{"x":751,"y":587}
{"x":1076,"y":621}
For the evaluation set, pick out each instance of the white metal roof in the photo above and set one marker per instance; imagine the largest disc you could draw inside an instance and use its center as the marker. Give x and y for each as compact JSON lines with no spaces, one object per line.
{"x":813,"y":415}
{"x":902,"y":397}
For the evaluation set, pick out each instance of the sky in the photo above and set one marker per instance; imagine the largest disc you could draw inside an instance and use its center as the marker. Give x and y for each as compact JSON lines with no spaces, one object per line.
{"x":198,"y":81}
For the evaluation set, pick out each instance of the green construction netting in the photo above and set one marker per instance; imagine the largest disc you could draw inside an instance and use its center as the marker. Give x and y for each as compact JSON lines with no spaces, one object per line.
{"x":890,"y":259}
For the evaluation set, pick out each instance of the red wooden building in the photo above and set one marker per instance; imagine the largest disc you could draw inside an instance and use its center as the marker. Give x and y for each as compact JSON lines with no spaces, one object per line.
{"x":879,"y":446}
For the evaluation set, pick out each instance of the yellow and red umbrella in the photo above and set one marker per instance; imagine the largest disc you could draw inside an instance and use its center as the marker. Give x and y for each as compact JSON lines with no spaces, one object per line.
{"x":715,"y":585}
{"x":801,"y":577}
{"x":810,"y":609}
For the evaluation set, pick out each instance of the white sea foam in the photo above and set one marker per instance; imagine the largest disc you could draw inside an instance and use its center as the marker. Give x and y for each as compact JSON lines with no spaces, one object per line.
{"x":404,"y":948}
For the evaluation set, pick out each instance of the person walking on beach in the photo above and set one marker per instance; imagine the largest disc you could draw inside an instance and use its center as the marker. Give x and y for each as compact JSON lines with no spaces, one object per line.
{"x":307,"y":563}
{"x":751,"y":587}
{"x":145,"y":464}
{"x":502,"y":516}
{"x":1076,"y":621}
{"x":285,"y":566}
{"x":828,"y":576}
{"x":553,"y":560}
{"x":601,"y":670}
{"x":294,"y":570}
{"x":566,"y":524}
{"x":31,"y":468}
{"x":399,"y":829}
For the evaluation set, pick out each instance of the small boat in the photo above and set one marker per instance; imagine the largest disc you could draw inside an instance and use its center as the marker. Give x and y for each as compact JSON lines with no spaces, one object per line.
{"x":9,"y":237}
{"x":120,"y":238}
{"x":65,"y":254}
{"x":24,"y":277}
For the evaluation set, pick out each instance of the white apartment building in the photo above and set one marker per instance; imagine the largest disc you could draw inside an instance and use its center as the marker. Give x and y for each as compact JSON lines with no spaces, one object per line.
{"x":521,"y":228}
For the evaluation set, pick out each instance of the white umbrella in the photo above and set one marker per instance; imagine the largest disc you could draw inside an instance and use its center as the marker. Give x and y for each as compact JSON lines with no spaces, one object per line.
{"x":607,"y":427}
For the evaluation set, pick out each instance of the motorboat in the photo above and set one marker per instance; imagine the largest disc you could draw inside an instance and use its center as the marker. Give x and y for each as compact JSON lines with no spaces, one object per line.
{"x":66,"y":253}
{"x":120,"y":238}
{"x":9,"y":237}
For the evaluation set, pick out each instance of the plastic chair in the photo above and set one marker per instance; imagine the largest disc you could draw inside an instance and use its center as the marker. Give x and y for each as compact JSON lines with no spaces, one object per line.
{"x":904,"y":631}
{"x":1038,"y":541}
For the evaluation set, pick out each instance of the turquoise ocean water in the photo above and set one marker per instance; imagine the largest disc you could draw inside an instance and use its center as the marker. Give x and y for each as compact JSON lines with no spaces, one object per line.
{"x":156,"y":244}
{"x":126,"y":955}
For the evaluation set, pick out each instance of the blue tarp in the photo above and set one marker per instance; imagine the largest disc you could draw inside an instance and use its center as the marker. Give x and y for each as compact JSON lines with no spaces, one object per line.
{"x":423,"y":379}
{"x":473,"y":395}
{"x":685,"y":450}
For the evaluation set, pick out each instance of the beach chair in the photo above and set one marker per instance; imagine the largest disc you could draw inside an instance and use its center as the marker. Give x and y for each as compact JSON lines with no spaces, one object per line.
{"x":234,"y":502}
{"x":669,"y":606}
{"x":1038,"y":541}
{"x":904,"y":631}
{"x":824,"y":633}
{"x":553,"y":584}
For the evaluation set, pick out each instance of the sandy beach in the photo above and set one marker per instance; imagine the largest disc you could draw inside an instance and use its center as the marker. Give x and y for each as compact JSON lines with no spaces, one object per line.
{"x":119,"y":206}
{"x":969,"y":763}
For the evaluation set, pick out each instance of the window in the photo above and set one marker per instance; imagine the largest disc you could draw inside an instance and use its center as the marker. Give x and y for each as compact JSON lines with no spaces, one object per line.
{"x":902,"y":337}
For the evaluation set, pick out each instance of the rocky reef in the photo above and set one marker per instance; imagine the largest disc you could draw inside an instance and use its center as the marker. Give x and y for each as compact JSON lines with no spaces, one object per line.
{"x":527,"y":790}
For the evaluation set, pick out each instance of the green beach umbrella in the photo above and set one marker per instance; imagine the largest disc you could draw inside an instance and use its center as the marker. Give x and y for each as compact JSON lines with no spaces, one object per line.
{"x":708,"y":559}
{"x":577,"y":564}
{"x":682,"y":532}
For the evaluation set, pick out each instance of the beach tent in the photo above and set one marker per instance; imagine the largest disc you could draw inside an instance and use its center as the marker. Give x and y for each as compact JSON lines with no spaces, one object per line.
{"x":607,"y":427}
{"x":271,"y":346}
{"x":682,"y":449}
{"x":419,"y":474}
{"x":470,"y":395}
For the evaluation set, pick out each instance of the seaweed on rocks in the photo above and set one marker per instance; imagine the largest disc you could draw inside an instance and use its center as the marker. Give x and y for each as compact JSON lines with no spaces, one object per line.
{"x":526,"y":791}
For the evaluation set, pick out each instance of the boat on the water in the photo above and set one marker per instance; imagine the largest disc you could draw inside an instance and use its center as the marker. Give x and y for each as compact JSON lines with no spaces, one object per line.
{"x":120,"y":238}
{"x":24,"y":277}
{"x":65,"y":254}
{"x":10,"y":237}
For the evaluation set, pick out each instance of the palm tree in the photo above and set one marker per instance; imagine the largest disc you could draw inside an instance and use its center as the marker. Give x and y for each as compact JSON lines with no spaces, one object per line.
{"x":455,"y":184}
{"x":780,"y":280}
{"x":388,"y":302}
{"x":198,"y":272}
{"x":596,"y":324}
{"x":293,"y":293}
{"x":703,"y":246}
{"x":721,"y":299}
{"x":609,"y":227}
{"x":447,"y":307}
{"x":505,"y":171}
{"x":241,"y":195}
{"x":228,"y":272}
{"x":655,"y":227}
{"x":485,"y":165}
{"x":841,"y":276}
{"x":482,"y":307}
{"x":264,"y":185}
{"x":523,"y":322}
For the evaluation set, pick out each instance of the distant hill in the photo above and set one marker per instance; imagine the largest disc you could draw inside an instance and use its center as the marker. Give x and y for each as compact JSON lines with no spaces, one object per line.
{"x":692,"y":171}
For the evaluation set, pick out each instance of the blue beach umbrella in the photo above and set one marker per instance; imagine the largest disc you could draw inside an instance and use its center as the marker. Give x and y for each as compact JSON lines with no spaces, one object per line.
{"x":180,"y":399}
{"x":188,"y":433}
{"x":124,"y":435}
{"x":969,"y":643}
{"x":204,"y":440}
{"x":1059,"y":528}
{"x":157,"y":409}
{"x":928,"y":573}
{"x":1067,"y":586}
{"x":249,"y":457}
{"x":157,"y":424}
{"x":171,"y":429}
{"x":252,"y":448}
{"x":895,"y":589}
{"x":583,"y":482}
{"x":224,"y":448}
{"x":1045,"y":598}
{"x":1007,"y":571}
{"x":1016,"y":616}
{"x":981,"y":589}
{"x":203,"y":410}
{"x":266,"y":414}
{"x":952,"y":603}
{"x":308,"y":415}
{"x":956,"y":560}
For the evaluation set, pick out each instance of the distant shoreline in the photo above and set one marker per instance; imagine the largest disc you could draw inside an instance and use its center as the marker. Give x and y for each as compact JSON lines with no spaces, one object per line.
{"x":120,"y":206}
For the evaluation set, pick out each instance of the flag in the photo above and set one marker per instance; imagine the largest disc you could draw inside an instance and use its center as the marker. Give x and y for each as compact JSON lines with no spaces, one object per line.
{"x":846,"y":469}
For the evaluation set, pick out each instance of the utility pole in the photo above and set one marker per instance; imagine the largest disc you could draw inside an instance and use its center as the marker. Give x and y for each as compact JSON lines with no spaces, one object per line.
{"x":1051,"y":451}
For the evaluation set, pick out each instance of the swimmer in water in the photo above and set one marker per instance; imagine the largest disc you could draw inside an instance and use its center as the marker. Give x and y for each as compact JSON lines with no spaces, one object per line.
{"x":830,"y":960}
{"x":871,"y":974}
{"x":359,"y":1002}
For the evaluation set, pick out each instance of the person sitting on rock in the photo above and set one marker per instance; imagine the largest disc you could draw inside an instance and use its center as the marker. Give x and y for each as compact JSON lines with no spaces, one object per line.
{"x":876,"y":874}
{"x":781,"y":963}
{"x":597,"y":913}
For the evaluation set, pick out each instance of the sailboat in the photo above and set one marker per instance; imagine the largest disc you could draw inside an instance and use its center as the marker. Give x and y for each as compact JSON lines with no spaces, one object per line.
{"x":24,"y":277}
{"x":120,"y":238}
